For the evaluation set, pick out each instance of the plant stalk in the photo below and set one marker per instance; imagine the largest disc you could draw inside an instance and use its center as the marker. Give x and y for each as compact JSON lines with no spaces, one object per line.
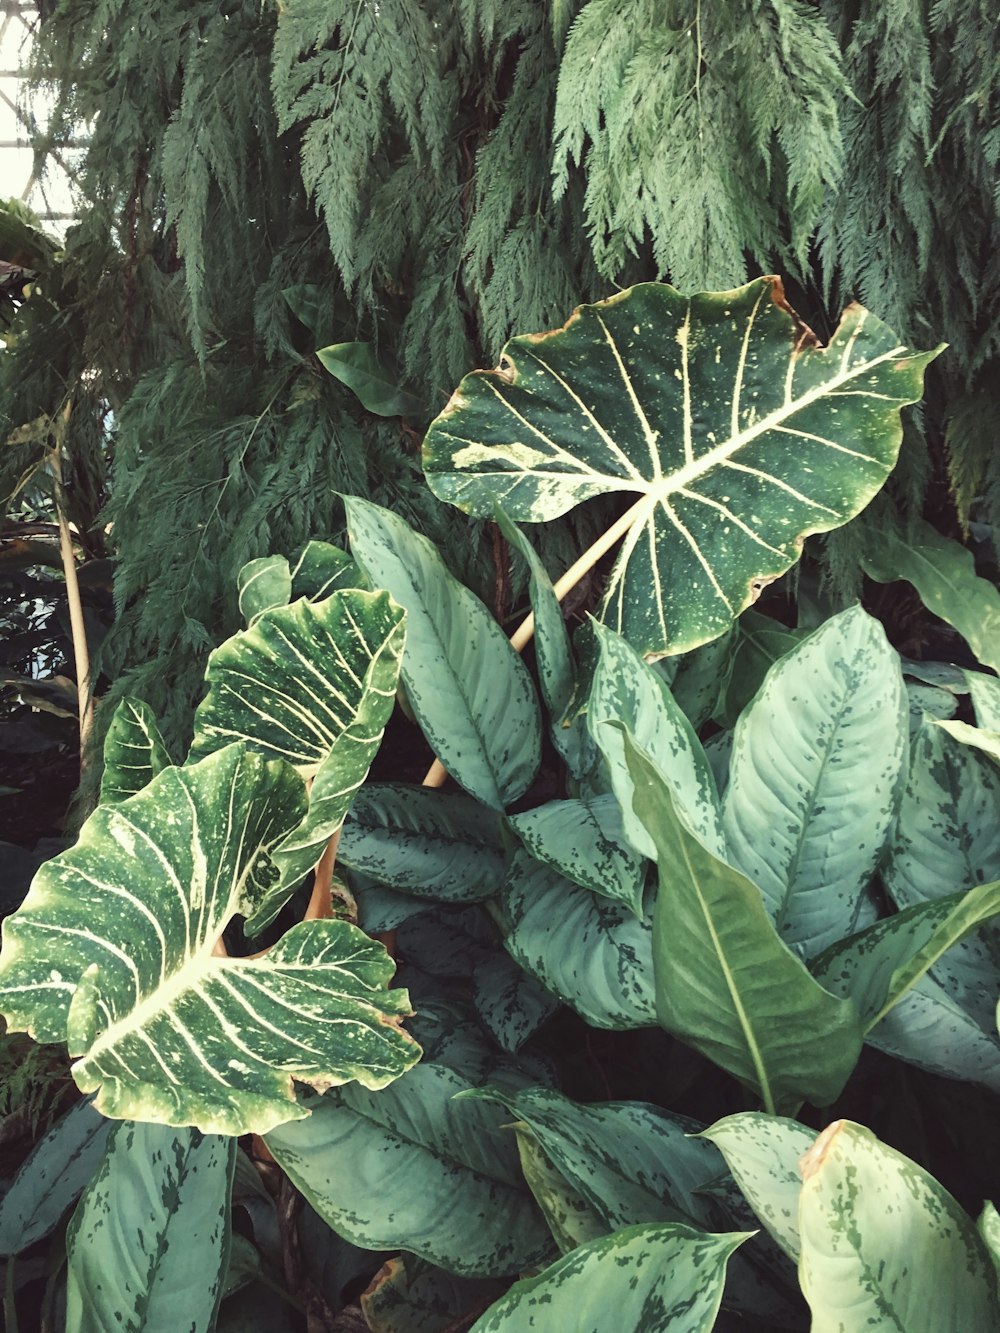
{"x":81,"y":651}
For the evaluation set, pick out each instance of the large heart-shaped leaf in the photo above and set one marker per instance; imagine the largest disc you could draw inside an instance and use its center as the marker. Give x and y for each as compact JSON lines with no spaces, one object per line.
{"x":668,"y":1278}
{"x":717,"y":414}
{"x":725,"y":982}
{"x":148,"y":1246}
{"x":113,"y":951}
{"x":884,"y":1246}
{"x":468,"y":688}
{"x":594,"y":954}
{"x":413,"y":1168}
{"x":314,"y":684}
{"x":134,"y":751}
{"x":814,"y":779}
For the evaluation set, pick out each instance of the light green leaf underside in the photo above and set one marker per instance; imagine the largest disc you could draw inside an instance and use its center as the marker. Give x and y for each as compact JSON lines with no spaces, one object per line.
{"x":591,"y":953}
{"x":422,"y":841}
{"x":988,"y":1227}
{"x":653,"y":1279}
{"x":51,"y":1177}
{"x":112,"y":952}
{"x":763,"y":1153}
{"x":988,"y":742}
{"x":571,"y":1219}
{"x":412,"y":1168}
{"x":584,"y":840}
{"x":884,"y":1246}
{"x":985,"y":692}
{"x":944,"y":575}
{"x":262,"y":585}
{"x":469,"y":690}
{"x":627,"y":691}
{"x":814,"y":779}
{"x":313,"y":684}
{"x":148,"y":1246}
{"x":715,"y":414}
{"x":879,"y":966}
{"x":725,"y":982}
{"x":133,"y":751}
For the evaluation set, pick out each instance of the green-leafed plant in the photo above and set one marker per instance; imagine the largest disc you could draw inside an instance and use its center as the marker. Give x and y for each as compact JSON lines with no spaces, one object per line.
{"x":745,"y":864}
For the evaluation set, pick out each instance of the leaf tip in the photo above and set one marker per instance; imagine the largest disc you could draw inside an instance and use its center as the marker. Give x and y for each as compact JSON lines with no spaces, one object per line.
{"x":812,"y":1160}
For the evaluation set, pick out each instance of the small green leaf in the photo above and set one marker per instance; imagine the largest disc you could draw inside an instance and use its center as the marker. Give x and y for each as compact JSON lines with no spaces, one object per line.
{"x":408,"y":1295}
{"x":413,"y":1168}
{"x":469,"y":690}
{"x":584,"y":840}
{"x":725,"y":982}
{"x":758,"y":644}
{"x":425,"y":842}
{"x":149,"y":1242}
{"x":133,"y":751}
{"x":321,"y":570}
{"x":263,"y":585}
{"x":814,"y":779}
{"x":511,"y":1004}
{"x":52,"y":1176}
{"x":884,"y":1246}
{"x":591,"y":953}
{"x":665,"y":1278}
{"x":944,"y":575}
{"x":376,"y":388}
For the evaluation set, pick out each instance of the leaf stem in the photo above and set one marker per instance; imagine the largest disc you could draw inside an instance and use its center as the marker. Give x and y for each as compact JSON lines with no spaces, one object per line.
{"x":81,"y":652}
{"x":524,"y":633}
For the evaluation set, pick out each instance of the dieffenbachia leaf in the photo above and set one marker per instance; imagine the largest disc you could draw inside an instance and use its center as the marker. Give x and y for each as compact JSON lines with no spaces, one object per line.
{"x":468,"y":688}
{"x":668,"y":1278}
{"x":59,"y":1166}
{"x":593,"y":954}
{"x":314,"y":684}
{"x":148,"y":1246}
{"x":628,"y":692}
{"x":134,"y":751}
{"x":884,"y":1246}
{"x":759,"y":642}
{"x":987,"y":742}
{"x":717,"y":415}
{"x":814,"y":779}
{"x":985,"y":693}
{"x":570,"y":1217}
{"x":263,"y":585}
{"x":112,"y":952}
{"x":426,"y":842}
{"x":511,"y":1004}
{"x":584,"y":840}
{"x":763,"y":1153}
{"x":944,"y":575}
{"x":947,"y":838}
{"x":988,"y":1227}
{"x":725,"y":981}
{"x":877,"y":967}
{"x":413,"y":1168}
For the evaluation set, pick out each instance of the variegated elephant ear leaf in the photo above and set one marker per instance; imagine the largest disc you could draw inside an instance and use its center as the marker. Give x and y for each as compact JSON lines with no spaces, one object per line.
{"x":734,"y":434}
{"x":134,"y":751}
{"x":113,"y":951}
{"x":312,"y":683}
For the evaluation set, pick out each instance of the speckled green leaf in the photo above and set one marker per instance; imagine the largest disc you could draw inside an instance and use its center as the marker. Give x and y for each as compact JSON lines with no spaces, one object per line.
{"x":593,"y":954}
{"x":884,"y":1246}
{"x":468,"y":688}
{"x":553,"y":654}
{"x":715,"y":415}
{"x":61,"y":1163}
{"x":426,"y":842}
{"x":112,"y":952}
{"x":133,"y":751}
{"x":585,"y":841}
{"x":814,"y":779}
{"x":627,"y":691}
{"x":650,"y":1279}
{"x":985,"y":693}
{"x":988,"y":1227}
{"x":877,"y":967}
{"x":725,"y":981}
{"x":148,"y":1246}
{"x":511,"y":1004}
{"x":314,"y":684}
{"x":412,"y":1168}
{"x":944,"y":574}
{"x":763,"y":1153}
{"x":262,"y":585}
{"x":571,"y":1219}
{"x":947,"y":838}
